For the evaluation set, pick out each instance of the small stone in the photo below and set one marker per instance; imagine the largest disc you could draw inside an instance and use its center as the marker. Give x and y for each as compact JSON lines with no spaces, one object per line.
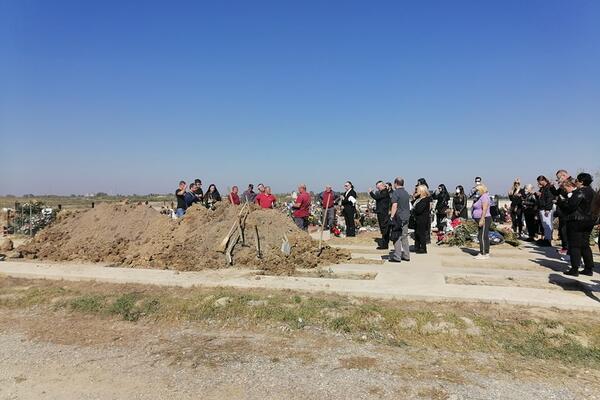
{"x":473,"y":331}
{"x":408,"y":323}
{"x":331,"y":313}
{"x":257,"y":303}
{"x":556,"y":331}
{"x":222,"y":301}
{"x":375,"y":318}
{"x":14,"y":254}
{"x":438,"y":327}
{"x":468,"y":321}
{"x":356,"y":302}
{"x":6,"y":244}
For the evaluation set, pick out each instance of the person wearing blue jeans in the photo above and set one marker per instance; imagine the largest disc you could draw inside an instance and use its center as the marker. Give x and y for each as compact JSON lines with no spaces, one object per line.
{"x":180,"y":196}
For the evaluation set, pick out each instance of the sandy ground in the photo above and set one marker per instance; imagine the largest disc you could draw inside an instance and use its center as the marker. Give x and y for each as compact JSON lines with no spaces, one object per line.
{"x":73,"y":356}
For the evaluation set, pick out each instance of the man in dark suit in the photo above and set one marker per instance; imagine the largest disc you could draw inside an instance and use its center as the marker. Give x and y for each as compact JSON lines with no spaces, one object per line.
{"x":399,"y":222}
{"x":382,"y":208}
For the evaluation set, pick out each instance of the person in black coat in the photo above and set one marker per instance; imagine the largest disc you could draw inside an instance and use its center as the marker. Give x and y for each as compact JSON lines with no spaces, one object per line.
{"x":382,"y":208}
{"x":349,"y":200}
{"x":516,"y":195}
{"x":596,"y":212}
{"x":546,"y":211}
{"x":421,"y":212}
{"x":530,"y":212}
{"x":441,"y":206}
{"x":459,"y":203}
{"x":577,"y":207}
{"x":422,"y":181}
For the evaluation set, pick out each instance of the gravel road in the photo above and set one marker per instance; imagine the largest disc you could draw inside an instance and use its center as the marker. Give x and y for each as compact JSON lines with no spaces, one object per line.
{"x":64,"y":356}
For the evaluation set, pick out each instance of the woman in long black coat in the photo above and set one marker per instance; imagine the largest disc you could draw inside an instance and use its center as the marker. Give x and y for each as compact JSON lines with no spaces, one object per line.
{"x":459,"y":203}
{"x":421,"y":207}
{"x":516,"y":194}
{"x":349,"y":199}
{"x":530,"y":212}
{"x":441,"y":206}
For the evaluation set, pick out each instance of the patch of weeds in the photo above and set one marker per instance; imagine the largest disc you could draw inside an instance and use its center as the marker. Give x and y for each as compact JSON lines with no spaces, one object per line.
{"x":150,"y":306}
{"x":34,"y":296}
{"x":297,"y":299}
{"x":551,"y":324}
{"x":341,"y":324}
{"x":540,"y":346}
{"x":88,"y":303}
{"x":125,"y":307}
{"x":396,"y":342}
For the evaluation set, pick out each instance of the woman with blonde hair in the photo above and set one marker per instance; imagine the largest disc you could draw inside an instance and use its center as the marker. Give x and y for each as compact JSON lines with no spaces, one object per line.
{"x":420,"y":211}
{"x":516,"y":195}
{"x":482,"y":215}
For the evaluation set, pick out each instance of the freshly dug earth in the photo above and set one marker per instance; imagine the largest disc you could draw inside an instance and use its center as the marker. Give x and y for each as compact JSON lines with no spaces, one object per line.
{"x":139,"y":236}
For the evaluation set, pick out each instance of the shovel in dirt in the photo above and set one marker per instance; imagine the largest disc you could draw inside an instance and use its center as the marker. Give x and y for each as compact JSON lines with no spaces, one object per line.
{"x":223,"y":245}
{"x":322,"y":229}
{"x":286,"y":248}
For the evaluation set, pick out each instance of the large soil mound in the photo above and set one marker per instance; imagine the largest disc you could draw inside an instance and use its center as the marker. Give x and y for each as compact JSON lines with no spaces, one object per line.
{"x":139,"y":236}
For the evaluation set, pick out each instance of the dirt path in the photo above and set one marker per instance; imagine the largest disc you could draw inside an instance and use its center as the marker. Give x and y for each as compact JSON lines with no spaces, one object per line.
{"x":65,"y":355}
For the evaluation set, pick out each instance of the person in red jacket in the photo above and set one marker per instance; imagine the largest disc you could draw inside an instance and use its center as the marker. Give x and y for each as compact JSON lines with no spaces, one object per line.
{"x":328,"y":199}
{"x":301,"y":208}
{"x":234,"y":198}
{"x":266,"y":199}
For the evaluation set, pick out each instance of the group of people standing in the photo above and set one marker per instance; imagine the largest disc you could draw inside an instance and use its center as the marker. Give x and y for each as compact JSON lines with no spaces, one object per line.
{"x":188,"y":195}
{"x":570,"y":200}
{"x":398,"y":211}
{"x":328,"y":199}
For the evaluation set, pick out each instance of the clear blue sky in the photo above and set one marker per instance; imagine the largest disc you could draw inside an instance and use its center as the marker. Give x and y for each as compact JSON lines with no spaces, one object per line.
{"x":132,"y":96}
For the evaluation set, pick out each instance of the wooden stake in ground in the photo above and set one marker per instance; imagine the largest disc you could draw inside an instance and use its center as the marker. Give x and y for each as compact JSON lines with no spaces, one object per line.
{"x":258,"y":253}
{"x":223,"y":245}
{"x":322,"y":229}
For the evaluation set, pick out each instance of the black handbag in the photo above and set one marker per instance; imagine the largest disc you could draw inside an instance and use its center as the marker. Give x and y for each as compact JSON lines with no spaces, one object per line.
{"x":395,"y":229}
{"x":412,"y":221}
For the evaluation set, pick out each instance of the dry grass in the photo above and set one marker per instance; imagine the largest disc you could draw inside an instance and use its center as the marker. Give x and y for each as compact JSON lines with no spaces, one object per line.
{"x":565,"y":338}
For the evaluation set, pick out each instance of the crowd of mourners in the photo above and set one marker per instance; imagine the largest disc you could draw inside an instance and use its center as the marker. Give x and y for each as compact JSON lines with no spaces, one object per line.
{"x":570,"y":201}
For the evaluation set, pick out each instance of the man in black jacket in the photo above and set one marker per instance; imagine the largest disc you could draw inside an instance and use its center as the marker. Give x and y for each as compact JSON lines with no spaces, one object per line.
{"x":382,"y":207}
{"x":579,"y":218}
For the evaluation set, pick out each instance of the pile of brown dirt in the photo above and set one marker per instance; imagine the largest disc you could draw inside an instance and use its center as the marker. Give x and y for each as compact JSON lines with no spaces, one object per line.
{"x":139,"y":236}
